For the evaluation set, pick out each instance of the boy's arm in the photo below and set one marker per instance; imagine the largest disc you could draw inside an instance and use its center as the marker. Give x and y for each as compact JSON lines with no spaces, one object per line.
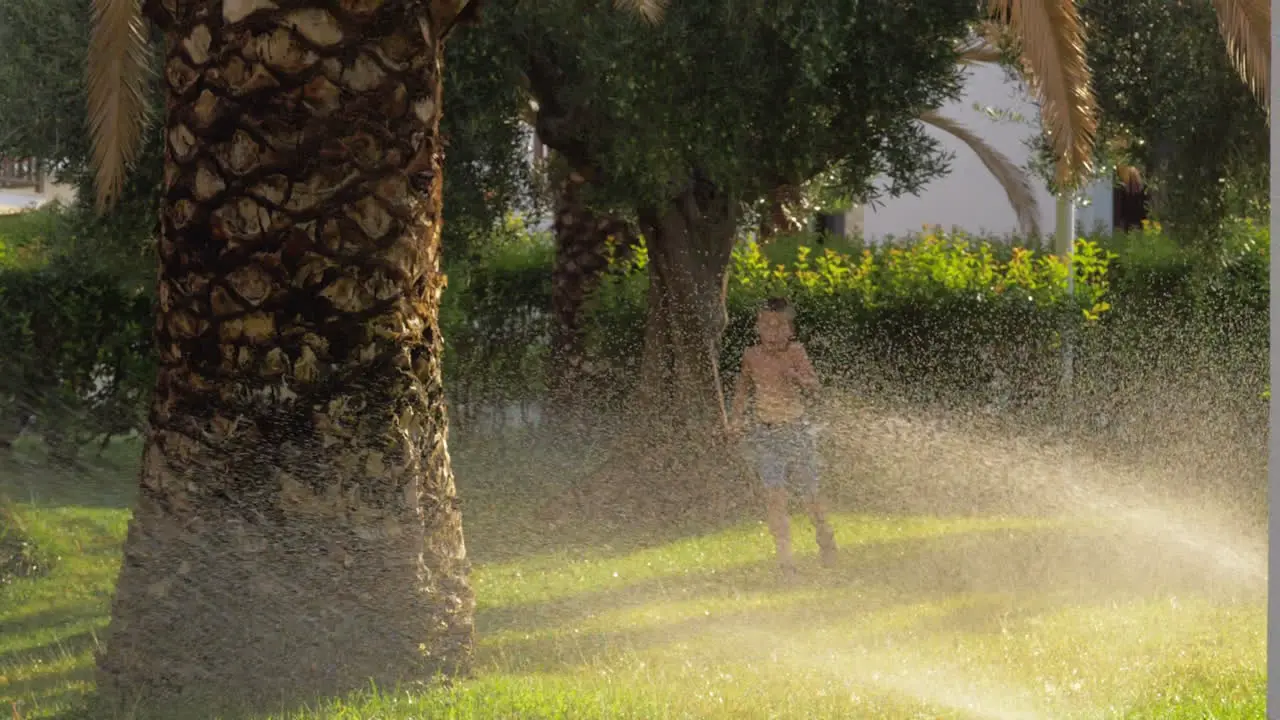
{"x":802,"y":369}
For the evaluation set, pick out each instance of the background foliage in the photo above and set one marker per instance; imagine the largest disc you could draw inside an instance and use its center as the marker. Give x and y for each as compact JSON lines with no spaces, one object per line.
{"x":944,"y":320}
{"x":1172,"y":105}
{"x":77,"y":357}
{"x":746,"y":96}
{"x":904,"y":322}
{"x":1164,"y":80}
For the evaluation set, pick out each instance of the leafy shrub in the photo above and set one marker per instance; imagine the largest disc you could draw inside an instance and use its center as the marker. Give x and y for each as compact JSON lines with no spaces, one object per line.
{"x":919,"y":315}
{"x":934,"y":319}
{"x":926,"y":321}
{"x":1211,"y":303}
{"x":495,"y":320}
{"x":19,"y":557}
{"x":77,"y":353}
{"x":25,"y":236}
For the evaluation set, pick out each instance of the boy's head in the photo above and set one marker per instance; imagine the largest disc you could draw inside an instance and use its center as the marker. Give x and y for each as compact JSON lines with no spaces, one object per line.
{"x":774,"y":322}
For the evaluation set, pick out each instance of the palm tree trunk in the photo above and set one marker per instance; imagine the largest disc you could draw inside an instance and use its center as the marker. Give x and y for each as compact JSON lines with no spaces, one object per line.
{"x":297,"y":529}
{"x":582,"y":238}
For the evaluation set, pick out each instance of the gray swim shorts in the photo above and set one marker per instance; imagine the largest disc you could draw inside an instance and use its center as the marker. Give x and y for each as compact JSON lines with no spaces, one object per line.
{"x":785,"y":452}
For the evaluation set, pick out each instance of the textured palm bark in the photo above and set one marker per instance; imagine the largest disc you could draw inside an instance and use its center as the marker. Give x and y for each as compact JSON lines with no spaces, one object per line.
{"x":297,"y":528}
{"x":582,"y":239}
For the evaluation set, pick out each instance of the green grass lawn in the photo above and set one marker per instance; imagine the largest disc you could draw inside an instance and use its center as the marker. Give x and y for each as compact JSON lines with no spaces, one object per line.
{"x":925,"y":617}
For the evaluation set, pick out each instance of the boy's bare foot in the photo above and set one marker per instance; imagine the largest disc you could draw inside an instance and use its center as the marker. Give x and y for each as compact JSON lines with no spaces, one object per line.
{"x":786,"y":570}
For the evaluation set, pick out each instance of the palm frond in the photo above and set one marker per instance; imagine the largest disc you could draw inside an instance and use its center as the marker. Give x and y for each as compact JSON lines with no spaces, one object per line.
{"x":1016,"y":182}
{"x":1130,"y":177}
{"x":1246,"y":26}
{"x":650,"y":10}
{"x":979,"y":50}
{"x":117,"y":69}
{"x":1053,"y":58}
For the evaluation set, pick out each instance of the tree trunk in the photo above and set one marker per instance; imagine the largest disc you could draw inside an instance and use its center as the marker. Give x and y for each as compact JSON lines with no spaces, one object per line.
{"x":690,"y":244}
{"x":582,"y":238}
{"x":297,"y":529}
{"x":674,"y":464}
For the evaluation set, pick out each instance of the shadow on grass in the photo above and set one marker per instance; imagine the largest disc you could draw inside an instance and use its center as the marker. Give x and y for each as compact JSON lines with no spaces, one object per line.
{"x":494,"y":537}
{"x":503,"y":483}
{"x":58,"y":690}
{"x":988,"y":579}
{"x":104,"y":484}
{"x":56,"y":617}
{"x":70,"y":645}
{"x":500,"y":506}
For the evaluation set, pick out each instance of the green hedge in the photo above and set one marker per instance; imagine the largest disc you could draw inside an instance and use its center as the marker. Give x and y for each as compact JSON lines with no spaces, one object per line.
{"x":496,"y":323}
{"x":919,"y":314}
{"x":930,"y":320}
{"x":1189,"y":330}
{"x":927,"y":321}
{"x":77,"y":353}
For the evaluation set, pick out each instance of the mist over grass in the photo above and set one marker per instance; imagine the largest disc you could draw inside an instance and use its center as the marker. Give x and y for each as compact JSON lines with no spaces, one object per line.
{"x":988,"y":571}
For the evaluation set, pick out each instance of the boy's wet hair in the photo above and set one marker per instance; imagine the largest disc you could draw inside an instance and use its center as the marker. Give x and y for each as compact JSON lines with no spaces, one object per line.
{"x":778,"y":305}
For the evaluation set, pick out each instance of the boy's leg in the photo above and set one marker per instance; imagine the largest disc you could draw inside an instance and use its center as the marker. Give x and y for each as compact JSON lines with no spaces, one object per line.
{"x":779,"y":524}
{"x":771,"y":465}
{"x":826,"y":536}
{"x":808,"y":475}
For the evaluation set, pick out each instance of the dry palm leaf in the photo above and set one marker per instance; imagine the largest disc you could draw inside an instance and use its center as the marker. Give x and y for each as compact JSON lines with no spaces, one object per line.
{"x":979,"y":50}
{"x":1052,"y":40}
{"x":1246,"y":26}
{"x":650,"y":10}
{"x":117,"y":70}
{"x":1016,"y":183}
{"x":996,"y":33}
{"x":1130,"y":176}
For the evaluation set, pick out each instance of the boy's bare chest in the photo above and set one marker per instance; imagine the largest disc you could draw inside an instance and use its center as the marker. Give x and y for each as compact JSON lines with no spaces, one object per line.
{"x":771,"y":371}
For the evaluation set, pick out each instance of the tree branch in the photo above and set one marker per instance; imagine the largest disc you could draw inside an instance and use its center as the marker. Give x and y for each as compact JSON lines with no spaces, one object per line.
{"x":560,"y":128}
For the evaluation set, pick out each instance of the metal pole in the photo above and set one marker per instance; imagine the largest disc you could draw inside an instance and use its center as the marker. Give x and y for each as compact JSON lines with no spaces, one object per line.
{"x":1063,"y":247}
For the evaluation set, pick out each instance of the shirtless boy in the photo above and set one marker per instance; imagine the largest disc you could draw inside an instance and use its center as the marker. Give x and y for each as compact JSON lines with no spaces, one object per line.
{"x":778,"y":377}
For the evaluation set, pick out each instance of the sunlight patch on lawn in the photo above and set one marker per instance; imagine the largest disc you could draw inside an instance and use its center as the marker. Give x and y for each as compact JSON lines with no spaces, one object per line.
{"x":557,"y":575}
{"x":701,"y":628}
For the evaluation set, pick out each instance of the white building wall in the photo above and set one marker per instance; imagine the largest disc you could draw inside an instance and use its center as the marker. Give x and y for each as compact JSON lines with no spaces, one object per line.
{"x":14,"y":200}
{"x":1096,"y":214}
